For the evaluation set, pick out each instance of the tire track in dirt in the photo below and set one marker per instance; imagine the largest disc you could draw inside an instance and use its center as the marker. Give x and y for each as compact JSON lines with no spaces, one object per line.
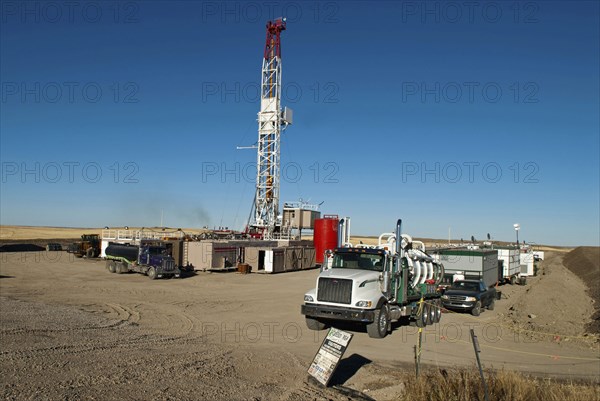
{"x":95,"y":346}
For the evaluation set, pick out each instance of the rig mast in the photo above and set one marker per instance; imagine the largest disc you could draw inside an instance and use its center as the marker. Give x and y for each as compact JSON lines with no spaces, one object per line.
{"x":271,"y":122}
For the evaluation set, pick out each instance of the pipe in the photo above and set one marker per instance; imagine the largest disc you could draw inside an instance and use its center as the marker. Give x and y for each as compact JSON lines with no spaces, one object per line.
{"x":340,"y":239}
{"x":440,"y":274}
{"x":389,"y":235}
{"x":411,"y":267}
{"x":417,"y":276}
{"x":416,"y":253}
{"x":399,"y":238}
{"x":347,"y":233}
{"x":420,"y":244}
{"x":386,"y":283}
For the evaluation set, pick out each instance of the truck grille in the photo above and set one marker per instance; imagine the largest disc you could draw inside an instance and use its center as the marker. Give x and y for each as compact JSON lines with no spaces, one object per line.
{"x":168,"y":265}
{"x":335,"y":290}
{"x":459,"y":298}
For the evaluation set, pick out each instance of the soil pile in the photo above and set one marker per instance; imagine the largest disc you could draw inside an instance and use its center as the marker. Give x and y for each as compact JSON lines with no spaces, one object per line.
{"x":584,"y":261}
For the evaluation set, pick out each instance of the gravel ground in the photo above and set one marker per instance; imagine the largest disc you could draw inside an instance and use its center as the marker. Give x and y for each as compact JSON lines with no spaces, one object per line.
{"x":72,"y":354}
{"x":72,"y":330}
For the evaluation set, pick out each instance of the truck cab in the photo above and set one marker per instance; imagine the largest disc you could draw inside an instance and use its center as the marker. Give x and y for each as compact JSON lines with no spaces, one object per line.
{"x":157,"y":259}
{"x":354,"y":279}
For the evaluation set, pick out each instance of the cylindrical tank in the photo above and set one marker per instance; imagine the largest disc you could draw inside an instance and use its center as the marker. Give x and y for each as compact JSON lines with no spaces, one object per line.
{"x":126,"y":251}
{"x":325,"y":236}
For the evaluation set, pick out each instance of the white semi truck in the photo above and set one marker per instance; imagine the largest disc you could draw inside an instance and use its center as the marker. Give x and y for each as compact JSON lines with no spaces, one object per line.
{"x":376,"y":285}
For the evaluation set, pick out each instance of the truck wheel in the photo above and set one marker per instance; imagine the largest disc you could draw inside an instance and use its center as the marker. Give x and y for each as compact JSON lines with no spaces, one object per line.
{"x":476,"y":309}
{"x":379,"y":327}
{"x":89,"y":253}
{"x":112,"y":267}
{"x":513,"y":279}
{"x":422,"y":315}
{"x":314,"y":324}
{"x":492,"y":304}
{"x":108,"y":264}
{"x":430,"y":312}
{"x":437,"y":315}
{"x":151,"y":273}
{"x":122,"y":268}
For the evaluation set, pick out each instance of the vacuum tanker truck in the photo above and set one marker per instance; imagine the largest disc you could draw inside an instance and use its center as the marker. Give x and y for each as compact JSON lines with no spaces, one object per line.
{"x":376,"y":285}
{"x":151,"y":258}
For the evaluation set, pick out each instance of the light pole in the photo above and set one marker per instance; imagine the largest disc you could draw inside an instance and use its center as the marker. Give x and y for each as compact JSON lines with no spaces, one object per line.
{"x":517,"y":227}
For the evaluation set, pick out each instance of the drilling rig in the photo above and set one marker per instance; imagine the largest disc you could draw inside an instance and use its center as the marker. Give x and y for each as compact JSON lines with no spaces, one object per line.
{"x":265,"y":220}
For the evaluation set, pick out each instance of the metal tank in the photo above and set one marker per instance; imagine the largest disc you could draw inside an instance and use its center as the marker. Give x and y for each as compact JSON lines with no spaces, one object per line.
{"x":325,"y":236}
{"x":126,"y":251}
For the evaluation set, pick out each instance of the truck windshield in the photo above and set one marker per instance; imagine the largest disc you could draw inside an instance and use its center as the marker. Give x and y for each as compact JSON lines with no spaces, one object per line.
{"x":157,"y":251}
{"x":363,"y":261}
{"x":466,"y":286}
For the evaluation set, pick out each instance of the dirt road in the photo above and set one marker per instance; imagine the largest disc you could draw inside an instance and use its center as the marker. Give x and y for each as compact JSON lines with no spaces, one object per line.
{"x":72,"y":330}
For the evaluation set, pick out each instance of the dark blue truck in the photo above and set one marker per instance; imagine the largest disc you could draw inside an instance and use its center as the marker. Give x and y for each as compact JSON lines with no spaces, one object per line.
{"x":152,"y":258}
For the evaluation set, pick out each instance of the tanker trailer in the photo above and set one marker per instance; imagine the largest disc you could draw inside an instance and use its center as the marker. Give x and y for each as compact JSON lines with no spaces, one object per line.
{"x":151,"y":258}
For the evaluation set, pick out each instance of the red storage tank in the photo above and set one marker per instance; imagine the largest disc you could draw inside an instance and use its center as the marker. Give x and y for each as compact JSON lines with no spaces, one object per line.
{"x":325,"y":236}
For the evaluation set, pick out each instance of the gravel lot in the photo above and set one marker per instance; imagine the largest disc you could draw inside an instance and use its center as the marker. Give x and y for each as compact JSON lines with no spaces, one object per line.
{"x":72,"y":330}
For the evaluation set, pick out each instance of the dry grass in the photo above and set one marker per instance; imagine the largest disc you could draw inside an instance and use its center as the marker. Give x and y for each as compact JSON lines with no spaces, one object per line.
{"x":20,"y":233}
{"x":465,"y":385}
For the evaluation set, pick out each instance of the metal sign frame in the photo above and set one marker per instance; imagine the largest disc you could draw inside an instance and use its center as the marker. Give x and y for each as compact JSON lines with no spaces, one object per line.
{"x":328,"y":356}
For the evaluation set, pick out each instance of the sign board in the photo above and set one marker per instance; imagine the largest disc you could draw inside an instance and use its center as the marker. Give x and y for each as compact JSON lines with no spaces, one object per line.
{"x":327,"y":358}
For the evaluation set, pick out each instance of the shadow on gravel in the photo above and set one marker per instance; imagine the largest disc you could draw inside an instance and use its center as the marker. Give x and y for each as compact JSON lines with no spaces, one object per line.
{"x":362,"y":328}
{"x":1,"y":276}
{"x":348,"y":368}
{"x":187,"y":274}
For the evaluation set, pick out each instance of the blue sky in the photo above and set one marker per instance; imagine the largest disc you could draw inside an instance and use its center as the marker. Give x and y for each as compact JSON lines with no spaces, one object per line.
{"x":468,"y":116}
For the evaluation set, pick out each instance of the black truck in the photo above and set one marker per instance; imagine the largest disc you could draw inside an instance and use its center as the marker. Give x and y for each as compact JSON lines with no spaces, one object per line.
{"x":469,"y":295}
{"x":152,"y":258}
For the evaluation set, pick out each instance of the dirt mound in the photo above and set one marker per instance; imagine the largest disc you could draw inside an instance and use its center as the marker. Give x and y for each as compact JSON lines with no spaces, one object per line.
{"x":32,"y":245}
{"x":21,"y":248}
{"x":585,"y":263}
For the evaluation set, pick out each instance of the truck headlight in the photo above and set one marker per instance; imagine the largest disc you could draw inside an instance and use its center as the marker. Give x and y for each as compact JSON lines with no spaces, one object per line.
{"x":471,"y":299}
{"x":364,"y":304}
{"x":308,"y":298}
{"x":445,"y":297}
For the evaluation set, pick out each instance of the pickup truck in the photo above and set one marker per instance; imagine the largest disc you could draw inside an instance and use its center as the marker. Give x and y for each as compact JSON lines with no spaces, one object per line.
{"x":469,"y":295}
